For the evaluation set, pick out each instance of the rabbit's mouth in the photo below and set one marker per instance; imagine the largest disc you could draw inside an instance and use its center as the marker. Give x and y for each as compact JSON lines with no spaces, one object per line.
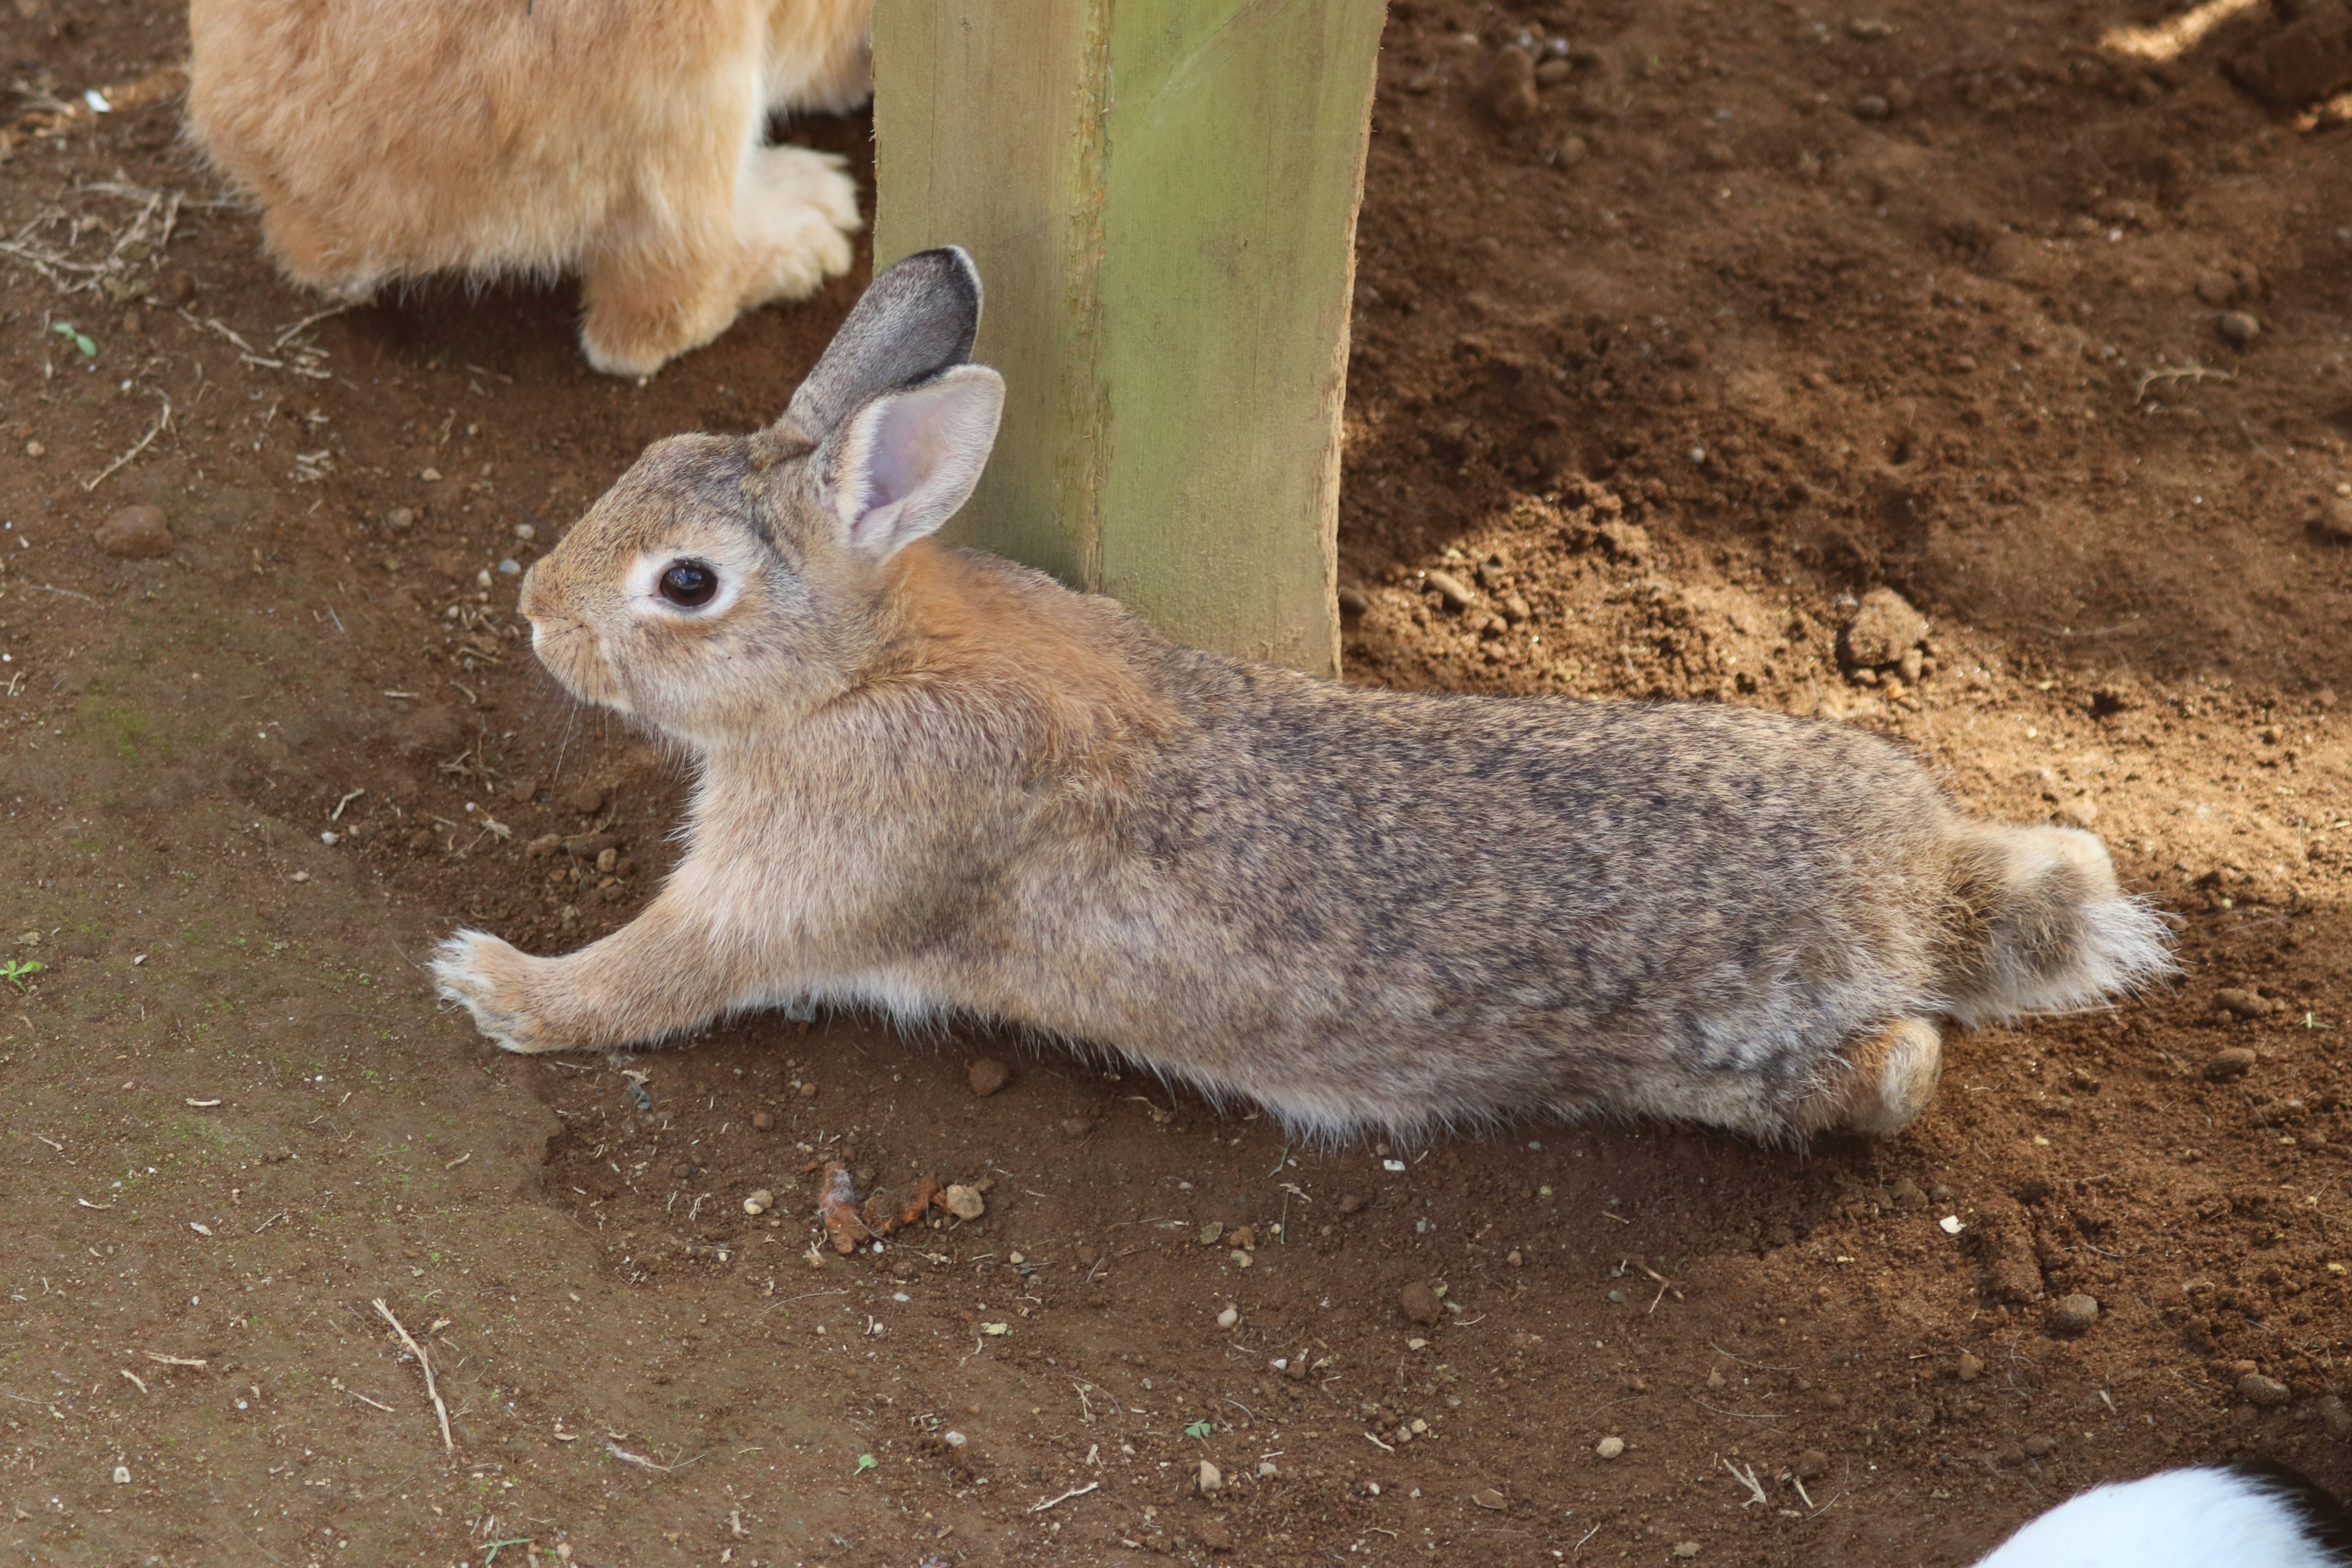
{"x":568,"y":651}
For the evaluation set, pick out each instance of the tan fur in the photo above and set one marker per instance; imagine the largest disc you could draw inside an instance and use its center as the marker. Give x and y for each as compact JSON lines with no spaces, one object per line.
{"x":936,"y":783}
{"x":393,"y":139}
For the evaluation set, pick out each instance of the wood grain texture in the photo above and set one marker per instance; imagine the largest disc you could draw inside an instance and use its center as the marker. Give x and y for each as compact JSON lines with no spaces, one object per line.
{"x":1162,"y":195}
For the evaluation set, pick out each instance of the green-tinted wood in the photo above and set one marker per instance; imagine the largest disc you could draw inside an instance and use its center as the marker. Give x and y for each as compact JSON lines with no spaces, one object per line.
{"x":1161,"y":196}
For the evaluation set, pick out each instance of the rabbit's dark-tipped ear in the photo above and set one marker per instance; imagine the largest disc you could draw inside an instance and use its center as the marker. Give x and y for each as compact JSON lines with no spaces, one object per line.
{"x":917,"y":319}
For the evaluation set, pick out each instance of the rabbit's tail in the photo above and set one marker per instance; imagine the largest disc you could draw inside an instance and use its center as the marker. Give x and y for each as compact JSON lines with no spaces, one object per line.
{"x":2044,"y":927}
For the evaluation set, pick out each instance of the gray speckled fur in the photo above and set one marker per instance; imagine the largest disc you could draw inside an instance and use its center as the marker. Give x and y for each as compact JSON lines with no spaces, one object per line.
{"x":938,"y":783}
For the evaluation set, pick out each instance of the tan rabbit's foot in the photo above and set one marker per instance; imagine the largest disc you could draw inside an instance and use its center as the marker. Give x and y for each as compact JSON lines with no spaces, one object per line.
{"x":491,"y":979}
{"x":797,"y":211}
{"x":1891,"y":1078}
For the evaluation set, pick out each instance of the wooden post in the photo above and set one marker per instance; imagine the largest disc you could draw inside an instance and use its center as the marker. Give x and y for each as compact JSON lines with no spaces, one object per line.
{"x":1162,"y":195}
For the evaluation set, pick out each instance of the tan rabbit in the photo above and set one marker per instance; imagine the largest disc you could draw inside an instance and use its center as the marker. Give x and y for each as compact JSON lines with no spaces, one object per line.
{"x":936,"y":783}
{"x":390,"y":139}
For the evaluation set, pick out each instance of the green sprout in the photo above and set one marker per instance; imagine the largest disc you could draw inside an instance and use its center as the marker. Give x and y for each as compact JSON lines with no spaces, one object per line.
{"x":74,"y":335}
{"x":1199,"y":1429}
{"x":14,"y":971}
{"x":866,"y":1462}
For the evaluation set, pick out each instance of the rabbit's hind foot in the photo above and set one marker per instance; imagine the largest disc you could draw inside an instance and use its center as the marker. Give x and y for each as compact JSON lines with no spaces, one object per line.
{"x":1889,"y":1077}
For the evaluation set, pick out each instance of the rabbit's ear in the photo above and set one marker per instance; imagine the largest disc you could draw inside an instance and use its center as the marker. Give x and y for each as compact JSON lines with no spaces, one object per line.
{"x":915,"y":319}
{"x":906,"y":460}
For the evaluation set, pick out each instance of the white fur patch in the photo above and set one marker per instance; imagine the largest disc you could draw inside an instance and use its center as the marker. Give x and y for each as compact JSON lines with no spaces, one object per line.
{"x":2180,"y":1519}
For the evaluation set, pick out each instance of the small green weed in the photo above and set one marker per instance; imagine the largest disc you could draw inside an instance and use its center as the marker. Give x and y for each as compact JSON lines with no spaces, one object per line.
{"x":15,"y":970}
{"x":74,"y":335}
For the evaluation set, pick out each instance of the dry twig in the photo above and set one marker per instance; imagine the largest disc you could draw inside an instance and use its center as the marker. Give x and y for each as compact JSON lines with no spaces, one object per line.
{"x":432,"y":1391}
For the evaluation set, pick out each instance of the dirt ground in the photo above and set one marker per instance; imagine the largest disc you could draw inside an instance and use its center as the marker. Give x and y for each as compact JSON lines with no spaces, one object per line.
{"x":1745,"y":313}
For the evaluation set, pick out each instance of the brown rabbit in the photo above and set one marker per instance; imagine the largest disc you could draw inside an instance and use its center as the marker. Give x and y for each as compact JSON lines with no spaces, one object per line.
{"x":390,"y":139}
{"x":936,"y":783}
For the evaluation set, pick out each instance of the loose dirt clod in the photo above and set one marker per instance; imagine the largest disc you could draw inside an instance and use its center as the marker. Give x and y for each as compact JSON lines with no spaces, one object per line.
{"x":1882,"y":631}
{"x":136,"y":532}
{"x":2225,"y":1065}
{"x":2268,"y":1393}
{"x":2073,"y":1314}
{"x":987,"y":1076}
{"x":1419,"y":1304}
{"x":1510,"y":89}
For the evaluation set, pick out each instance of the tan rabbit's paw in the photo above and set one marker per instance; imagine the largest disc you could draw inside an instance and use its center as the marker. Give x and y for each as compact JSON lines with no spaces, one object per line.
{"x":491,"y":980}
{"x":798,"y":213}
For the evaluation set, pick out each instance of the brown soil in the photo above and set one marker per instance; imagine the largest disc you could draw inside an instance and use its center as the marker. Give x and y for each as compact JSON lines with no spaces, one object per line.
{"x":1930,"y":298}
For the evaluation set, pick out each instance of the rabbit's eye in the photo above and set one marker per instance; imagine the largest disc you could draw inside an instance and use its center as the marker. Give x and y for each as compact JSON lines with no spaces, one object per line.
{"x":689,"y":585}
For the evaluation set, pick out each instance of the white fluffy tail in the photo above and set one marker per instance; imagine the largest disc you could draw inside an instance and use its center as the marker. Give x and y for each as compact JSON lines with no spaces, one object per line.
{"x":2052,"y":929}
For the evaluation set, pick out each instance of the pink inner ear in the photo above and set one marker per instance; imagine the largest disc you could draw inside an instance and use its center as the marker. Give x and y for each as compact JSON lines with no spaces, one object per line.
{"x":901,"y":456}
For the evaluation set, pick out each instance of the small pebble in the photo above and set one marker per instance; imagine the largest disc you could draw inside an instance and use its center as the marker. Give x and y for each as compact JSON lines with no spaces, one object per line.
{"x":761,"y":1120}
{"x":2237,"y":328}
{"x":1870,"y":106}
{"x":1971,"y":1367}
{"x":400,"y":519}
{"x":2338,"y":1419}
{"x":964,"y":1203}
{"x":1419,"y":1303}
{"x":1451,"y":589}
{"x":1687,"y":1548}
{"x":1486,"y":1497}
{"x":987,"y":1076}
{"x":2039,"y":1448}
{"x":808,"y":1092}
{"x":587,"y":799}
{"x":1353,"y":602}
{"x":2266,"y":1392}
{"x":1229,"y":1317}
{"x":133,"y":533}
{"x":2073,"y":1314}
{"x":1211,"y":1476}
{"x":1813,"y":1465}
{"x":34,"y":450}
{"x":1569,"y":152}
{"x":2226,"y":1065}
{"x":1610,"y":1448}
{"x":681,"y":1169}
{"x":760,"y":1202}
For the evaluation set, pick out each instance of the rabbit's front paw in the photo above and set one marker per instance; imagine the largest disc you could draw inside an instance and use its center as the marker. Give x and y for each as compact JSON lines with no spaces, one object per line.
{"x":799,"y":211}
{"x":491,"y":979}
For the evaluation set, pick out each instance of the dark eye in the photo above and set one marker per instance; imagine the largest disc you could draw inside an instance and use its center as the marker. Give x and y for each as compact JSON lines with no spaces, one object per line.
{"x":688,"y":584}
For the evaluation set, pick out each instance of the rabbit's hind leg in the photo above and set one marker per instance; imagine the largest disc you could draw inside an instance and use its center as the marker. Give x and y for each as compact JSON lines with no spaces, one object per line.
{"x":795,"y":210}
{"x":1885,"y":1079}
